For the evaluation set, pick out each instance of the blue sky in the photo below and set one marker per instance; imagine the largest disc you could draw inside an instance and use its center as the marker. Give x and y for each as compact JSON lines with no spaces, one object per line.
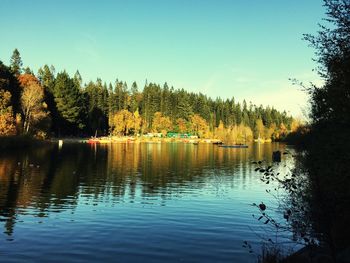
{"x":245,"y":49}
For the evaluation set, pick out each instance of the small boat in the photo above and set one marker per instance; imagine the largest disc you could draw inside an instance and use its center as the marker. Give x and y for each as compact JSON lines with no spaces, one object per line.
{"x":98,"y":140}
{"x":234,"y":146}
{"x":93,"y":141}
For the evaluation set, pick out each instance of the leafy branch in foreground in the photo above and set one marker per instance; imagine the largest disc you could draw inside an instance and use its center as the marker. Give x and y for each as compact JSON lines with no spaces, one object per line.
{"x":290,"y":195}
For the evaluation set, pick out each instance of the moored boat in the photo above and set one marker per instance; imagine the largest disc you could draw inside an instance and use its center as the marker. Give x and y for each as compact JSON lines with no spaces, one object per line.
{"x":234,"y":146}
{"x":93,"y":140}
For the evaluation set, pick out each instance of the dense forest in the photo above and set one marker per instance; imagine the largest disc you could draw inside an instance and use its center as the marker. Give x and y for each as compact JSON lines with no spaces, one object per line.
{"x":56,"y":104}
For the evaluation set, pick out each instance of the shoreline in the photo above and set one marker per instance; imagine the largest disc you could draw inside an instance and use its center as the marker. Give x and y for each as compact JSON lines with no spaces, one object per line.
{"x":20,"y":142}
{"x":131,"y":139}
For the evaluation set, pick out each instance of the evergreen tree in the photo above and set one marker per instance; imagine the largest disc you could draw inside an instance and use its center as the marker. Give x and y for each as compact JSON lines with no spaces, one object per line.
{"x":16,"y":63}
{"x":105,"y":96}
{"x":134,"y":105}
{"x":46,"y":76}
{"x":78,"y":79}
{"x":184,"y":108}
{"x":73,"y":107}
{"x":27,"y":70}
{"x":69,"y":101}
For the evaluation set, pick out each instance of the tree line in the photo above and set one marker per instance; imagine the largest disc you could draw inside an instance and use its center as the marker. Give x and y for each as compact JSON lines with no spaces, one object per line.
{"x":57,"y":104}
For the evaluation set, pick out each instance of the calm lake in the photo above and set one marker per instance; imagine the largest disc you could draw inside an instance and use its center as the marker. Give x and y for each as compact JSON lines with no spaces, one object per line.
{"x":165,"y":202}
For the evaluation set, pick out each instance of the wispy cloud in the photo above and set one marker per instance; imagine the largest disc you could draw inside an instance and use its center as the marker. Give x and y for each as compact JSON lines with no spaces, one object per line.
{"x":210,"y":84}
{"x":289,"y":98}
{"x":279,"y":92}
{"x":87,"y":47}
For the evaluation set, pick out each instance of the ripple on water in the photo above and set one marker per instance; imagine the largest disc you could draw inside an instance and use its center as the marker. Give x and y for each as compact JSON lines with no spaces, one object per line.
{"x":154,"y":203}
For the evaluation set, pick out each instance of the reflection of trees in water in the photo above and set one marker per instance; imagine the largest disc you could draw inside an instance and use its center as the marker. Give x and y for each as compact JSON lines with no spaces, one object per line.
{"x":49,"y":179}
{"x":31,"y":179}
{"x":8,"y":194}
{"x":20,"y":182}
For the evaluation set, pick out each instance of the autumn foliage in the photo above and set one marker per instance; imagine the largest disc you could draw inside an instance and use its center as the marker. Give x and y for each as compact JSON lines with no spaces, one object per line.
{"x":161,"y":123}
{"x":62,"y":105}
{"x":124,"y":123}
{"x":25,"y":80}
{"x":7,"y":120}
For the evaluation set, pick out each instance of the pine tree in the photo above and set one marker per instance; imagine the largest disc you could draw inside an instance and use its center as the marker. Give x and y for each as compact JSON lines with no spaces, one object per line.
{"x":184,"y":107}
{"x":134,"y":106}
{"x":46,"y":76}
{"x":27,"y":70}
{"x":69,"y":101}
{"x":16,"y":63}
{"x":77,"y":79}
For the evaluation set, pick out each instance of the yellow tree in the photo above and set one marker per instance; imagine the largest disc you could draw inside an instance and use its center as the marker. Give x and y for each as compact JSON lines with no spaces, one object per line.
{"x":181,"y":125}
{"x":157,"y":122}
{"x":7,"y":120}
{"x":283,"y":130}
{"x":259,"y":128}
{"x":247,"y":133}
{"x":275,"y":134}
{"x":244,"y":133}
{"x":33,"y":106}
{"x":167,"y":125}
{"x":232,"y":134}
{"x":220,"y":131}
{"x":296,"y":124}
{"x":137,"y":122}
{"x":270,"y":131}
{"x":199,"y":125}
{"x":122,"y":122}
{"x":161,"y":123}
{"x":144,"y":126}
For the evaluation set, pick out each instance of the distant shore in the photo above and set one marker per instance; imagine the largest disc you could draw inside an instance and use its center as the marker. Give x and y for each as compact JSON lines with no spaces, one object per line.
{"x":20,"y":142}
{"x":132,"y":139}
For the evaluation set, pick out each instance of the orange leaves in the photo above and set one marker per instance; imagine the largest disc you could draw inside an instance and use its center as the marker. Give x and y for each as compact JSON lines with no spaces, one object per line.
{"x":161,"y":123}
{"x":7,"y":120}
{"x":25,"y":79}
{"x":32,"y":101}
{"x":199,"y":125}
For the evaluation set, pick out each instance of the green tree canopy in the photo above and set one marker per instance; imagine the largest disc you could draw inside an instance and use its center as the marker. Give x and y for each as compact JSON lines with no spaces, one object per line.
{"x":16,"y":63}
{"x":69,"y":102}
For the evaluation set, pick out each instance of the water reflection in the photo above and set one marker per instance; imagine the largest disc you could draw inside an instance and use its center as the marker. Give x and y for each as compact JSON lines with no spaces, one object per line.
{"x":171,"y":201}
{"x":49,"y":179}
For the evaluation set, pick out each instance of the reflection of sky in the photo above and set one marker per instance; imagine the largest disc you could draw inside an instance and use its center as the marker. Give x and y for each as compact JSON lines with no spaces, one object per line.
{"x":203,"y":210}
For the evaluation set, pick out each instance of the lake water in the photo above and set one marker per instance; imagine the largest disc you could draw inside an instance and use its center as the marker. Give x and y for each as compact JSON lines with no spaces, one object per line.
{"x":166,"y":202}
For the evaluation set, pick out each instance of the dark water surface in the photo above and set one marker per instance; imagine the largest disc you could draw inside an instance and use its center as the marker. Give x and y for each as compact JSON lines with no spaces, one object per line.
{"x":128,"y":203}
